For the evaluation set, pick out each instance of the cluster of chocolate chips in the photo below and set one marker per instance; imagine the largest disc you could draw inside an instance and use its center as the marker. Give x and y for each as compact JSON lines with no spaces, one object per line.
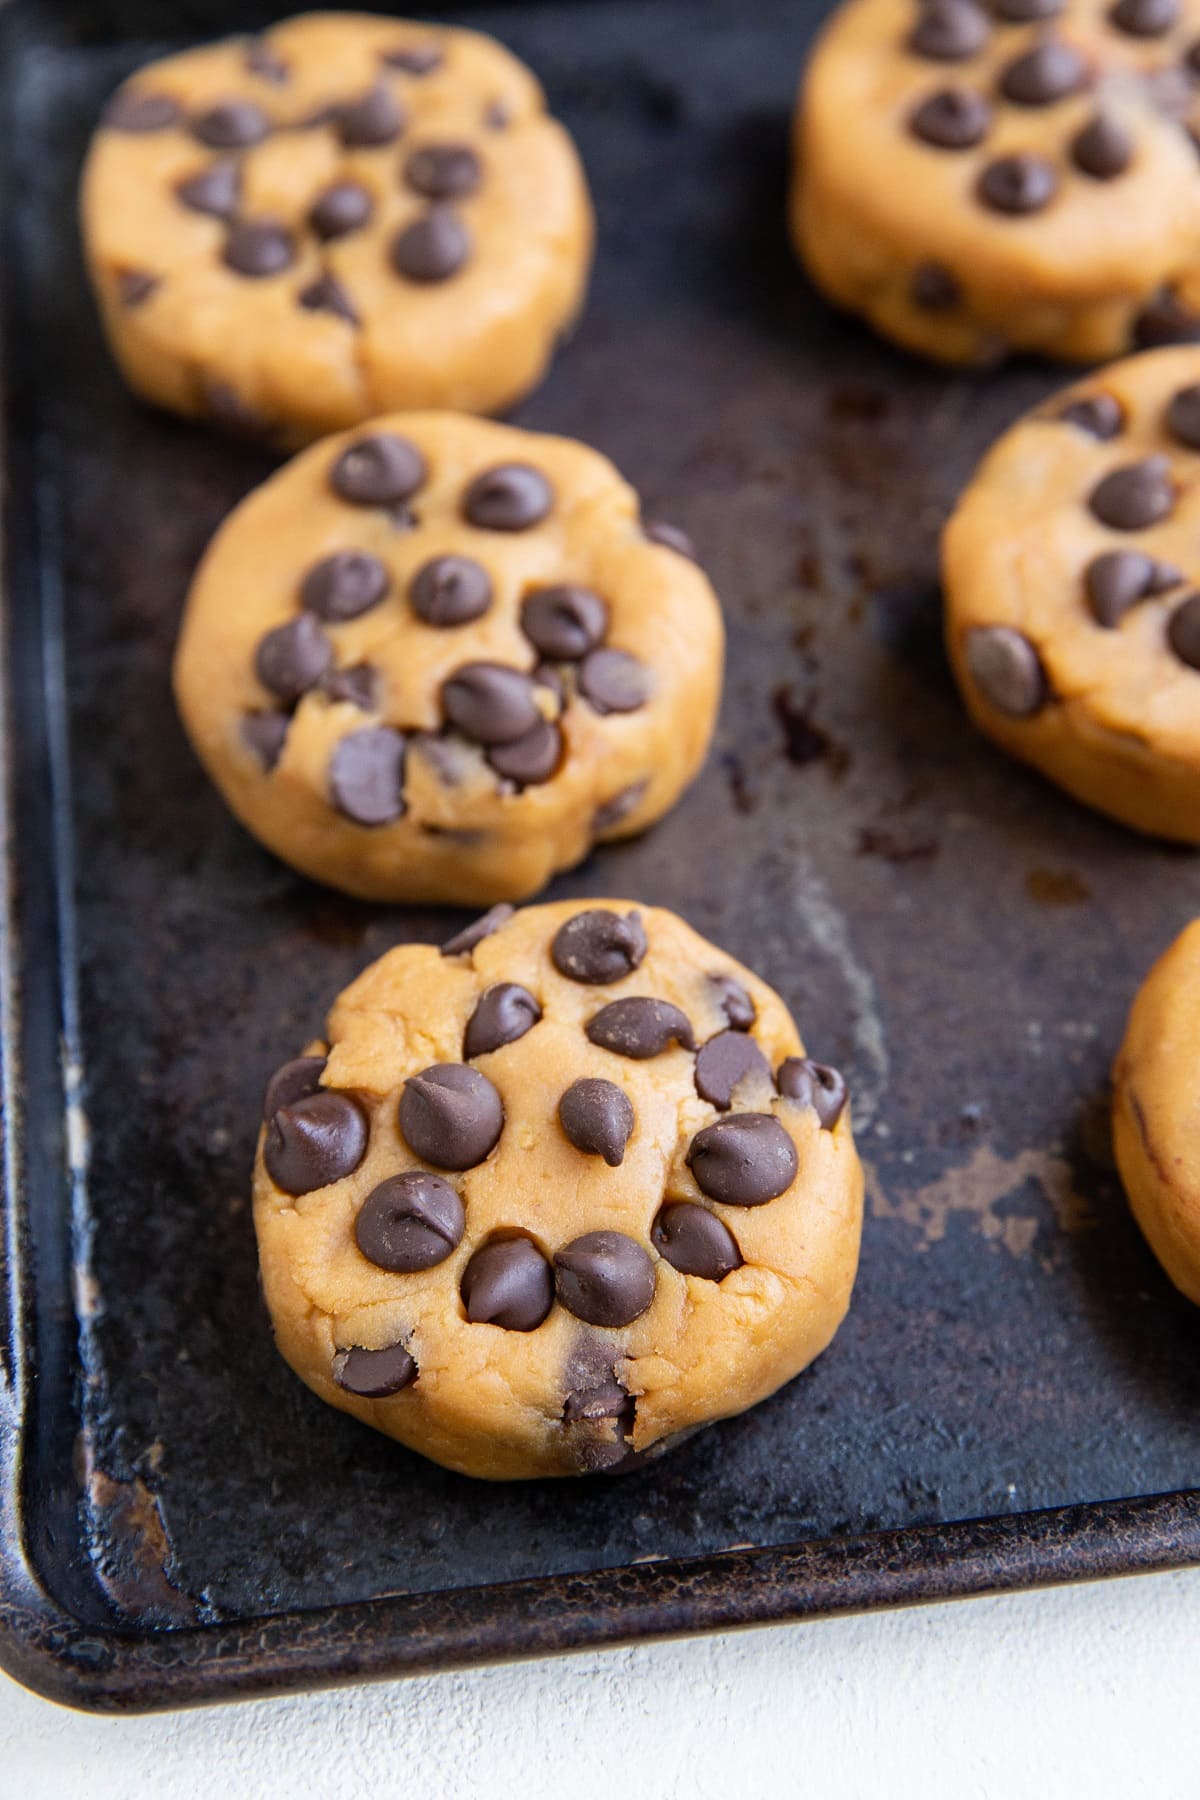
{"x":452,"y":1117}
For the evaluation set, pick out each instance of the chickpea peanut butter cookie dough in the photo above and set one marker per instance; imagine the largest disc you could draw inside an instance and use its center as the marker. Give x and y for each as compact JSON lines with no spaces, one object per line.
{"x":1017,"y":175}
{"x":547,"y":1200}
{"x":292,"y":232}
{"x":440,"y":658}
{"x":1072,"y":566}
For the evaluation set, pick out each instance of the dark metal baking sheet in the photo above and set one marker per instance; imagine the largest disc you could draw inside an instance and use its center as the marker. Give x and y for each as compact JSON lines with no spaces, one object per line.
{"x":179,"y":1518}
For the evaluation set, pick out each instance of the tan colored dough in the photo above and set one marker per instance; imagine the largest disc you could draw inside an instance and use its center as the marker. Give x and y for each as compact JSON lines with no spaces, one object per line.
{"x":207,"y":341}
{"x":489,"y":1401}
{"x":1105,"y":266}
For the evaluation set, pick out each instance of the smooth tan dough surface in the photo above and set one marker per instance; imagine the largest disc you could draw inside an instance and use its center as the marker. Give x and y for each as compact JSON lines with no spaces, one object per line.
{"x":208,"y":341}
{"x":489,"y":1401}
{"x":469,"y":840}
{"x":1156,"y":1110}
{"x":1121,"y":728}
{"x":1082,"y":279}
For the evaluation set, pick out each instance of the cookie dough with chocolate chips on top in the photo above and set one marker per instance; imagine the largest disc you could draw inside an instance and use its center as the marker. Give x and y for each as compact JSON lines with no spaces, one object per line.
{"x":290,"y":233}
{"x":1017,"y":175}
{"x":440,"y":658}
{"x":1071,"y":569}
{"x":552,"y":1198}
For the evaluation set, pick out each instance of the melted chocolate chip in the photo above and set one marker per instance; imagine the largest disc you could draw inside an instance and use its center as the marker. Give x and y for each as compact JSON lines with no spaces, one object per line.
{"x":345,"y":207}
{"x":344,"y":586}
{"x":443,"y":171}
{"x":215,"y":190}
{"x":1018,"y":184}
{"x":951,"y":119}
{"x":1183,"y":416}
{"x":597,"y":1118}
{"x":669,"y":537}
{"x":414,"y":59}
{"x":640,"y":1028}
{"x":376,"y":117}
{"x":604,"y":1278}
{"x":366,"y":775}
{"x":292,"y":658}
{"x":694,"y":1241}
{"x":135,"y":112}
{"x":450,"y":590}
{"x":326,"y":294}
{"x":510,"y":497}
{"x":503,"y":1014}
{"x":599,"y":947}
{"x":295,"y":1080}
{"x":433,"y":247}
{"x":135,"y":286}
{"x":490,"y":703}
{"x":465,"y":940}
{"x":356,"y":686}
{"x":1048,"y":72}
{"x":374,"y":1374}
{"x":1116,"y":581}
{"x":1145,"y":18}
{"x":378,"y":471}
{"x":232,"y":125}
{"x":508,"y":1283}
{"x":735,"y":1002}
{"x":614,"y":812}
{"x":1098,"y":414}
{"x":266,"y":63}
{"x":264,"y":733}
{"x":724,"y":1062}
{"x":1103,"y":149}
{"x":745,"y":1159}
{"x":451,"y":1116}
{"x":314,"y":1141}
{"x":257,"y":248}
{"x":814,"y":1084}
{"x":1183,"y":631}
{"x":933,"y":288}
{"x":410,"y":1222}
{"x":564,"y":623}
{"x":532,"y":759}
{"x":1007,"y":670}
{"x":1165,"y":320}
{"x":949,"y":31}
{"x":612,"y":681}
{"x":1134,"y":497}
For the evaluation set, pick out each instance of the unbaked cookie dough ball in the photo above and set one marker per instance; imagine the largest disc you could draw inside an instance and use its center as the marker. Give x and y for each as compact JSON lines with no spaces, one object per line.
{"x":290,"y":233}
{"x":549,"y":1199}
{"x":978,"y":179}
{"x":440,"y":658}
{"x":1072,"y":618}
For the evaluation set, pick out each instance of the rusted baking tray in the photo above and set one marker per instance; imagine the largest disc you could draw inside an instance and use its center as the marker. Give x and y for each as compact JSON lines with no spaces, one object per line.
{"x":1016,"y":1395}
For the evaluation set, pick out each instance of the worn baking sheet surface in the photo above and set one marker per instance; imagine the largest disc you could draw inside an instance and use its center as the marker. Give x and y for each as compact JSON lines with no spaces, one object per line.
{"x":956,"y":935}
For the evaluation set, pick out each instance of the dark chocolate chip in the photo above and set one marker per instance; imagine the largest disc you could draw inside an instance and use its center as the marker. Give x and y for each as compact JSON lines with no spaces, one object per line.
{"x":490,"y":703}
{"x":1007,"y":670}
{"x":510,"y":497}
{"x":670,"y":537}
{"x":378,"y":471}
{"x":595,"y":1394}
{"x":264,"y":733}
{"x":344,"y":586}
{"x":443,"y":171}
{"x":1135,"y":496}
{"x":814,"y":1084}
{"x":613,"y":681}
{"x":1027,"y":12}
{"x":376,"y":117}
{"x":1165,"y":320}
{"x":933,"y":288}
{"x":597,"y":1117}
{"x":949,"y":31}
{"x":1115,"y":581}
{"x":450,"y":590}
{"x":745,"y":1159}
{"x":1098,"y":414}
{"x":414,"y":59}
{"x":314,"y":1141}
{"x":549,"y":676}
{"x":604,"y":1278}
{"x":1145,"y":18}
{"x":1048,"y":72}
{"x":232,"y":412}
{"x":508,"y":1283}
{"x":694,"y":1241}
{"x":257,"y":248}
{"x":640,"y":1028}
{"x":614,"y":812}
{"x":295,"y":1080}
{"x":326,"y":294}
{"x":496,"y":115}
{"x":465,"y":940}
{"x":374,"y":1374}
{"x":1183,"y":416}
{"x":345,"y":207}
{"x":951,"y":119}
{"x":503,"y":1014}
{"x":232,"y":125}
{"x":451,"y":1116}
{"x":410,"y":1222}
{"x":366,"y":775}
{"x":292,"y":658}
{"x":356,"y":686}
{"x":431,"y":248}
{"x":214,"y":190}
{"x":266,"y":63}
{"x":598,"y":1410}
{"x":735,"y":1002}
{"x":564,"y":623}
{"x":135,"y":286}
{"x":724,"y":1062}
{"x":599,"y":947}
{"x":1018,"y":184}
{"x":1103,"y":149}
{"x":1183,"y":631}
{"x":129,"y":110}
{"x":532,"y":759}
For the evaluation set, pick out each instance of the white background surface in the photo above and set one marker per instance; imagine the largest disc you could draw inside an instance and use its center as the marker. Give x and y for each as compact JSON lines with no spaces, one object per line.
{"x":1089,"y":1691}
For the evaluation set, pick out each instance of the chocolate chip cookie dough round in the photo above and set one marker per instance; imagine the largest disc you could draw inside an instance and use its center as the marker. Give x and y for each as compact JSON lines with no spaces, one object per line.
{"x":1071,"y":566}
{"x":290,"y":233}
{"x":439,"y":658}
{"x":547,"y":1200}
{"x":1018,"y":176}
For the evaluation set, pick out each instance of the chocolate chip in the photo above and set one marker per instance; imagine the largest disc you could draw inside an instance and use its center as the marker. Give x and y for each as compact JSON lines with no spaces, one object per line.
{"x":599,"y":947}
{"x":1048,"y":72}
{"x":532,"y":759}
{"x":293,"y":658}
{"x":496,"y":115}
{"x":670,"y":537}
{"x":695,"y":1242}
{"x":1165,"y":320}
{"x":509,"y":1283}
{"x":1145,"y":18}
{"x":612,"y":681}
{"x":549,"y":676}
{"x":1183,"y":631}
{"x":264,"y":733}
{"x":1135,"y":496}
{"x":735,"y":1002}
{"x":503,"y":1014}
{"x":295,"y":1080}
{"x":356,"y":686}
{"x":232,"y":412}
{"x":614,"y":812}
{"x":1018,"y":184}
{"x":594,"y":1394}
{"x":1027,"y":12}
{"x":933,"y":288}
{"x":465,"y":940}
{"x":949,"y":31}
{"x":376,"y":117}
{"x":510,"y":497}
{"x":1098,"y":414}
{"x":1007,"y":670}
{"x":565,"y":622}
{"x":414,"y":59}
{"x":443,"y":171}
{"x":129,"y":110}
{"x":450,"y":590}
{"x":135,"y":286}
{"x":346,"y":206}
{"x":257,"y":248}
{"x":597,"y":1117}
{"x":266,"y":63}
{"x":344,"y":586}
{"x":410,"y":1222}
{"x":326,"y":294}
{"x":451,"y":1116}
{"x":743,"y":1160}
{"x":640,"y":1028}
{"x":433,"y":247}
{"x":1183,"y":416}
{"x":490,"y":703}
{"x":314,"y":1141}
{"x":1103,"y":149}
{"x":724,"y":1062}
{"x":814,"y":1084}
{"x":604,"y":1278}
{"x":232,"y":125}
{"x":214,"y":190}
{"x":374,"y":1374}
{"x":1116,"y":581}
{"x":951,"y":119}
{"x":378,"y":471}
{"x":366,"y":775}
